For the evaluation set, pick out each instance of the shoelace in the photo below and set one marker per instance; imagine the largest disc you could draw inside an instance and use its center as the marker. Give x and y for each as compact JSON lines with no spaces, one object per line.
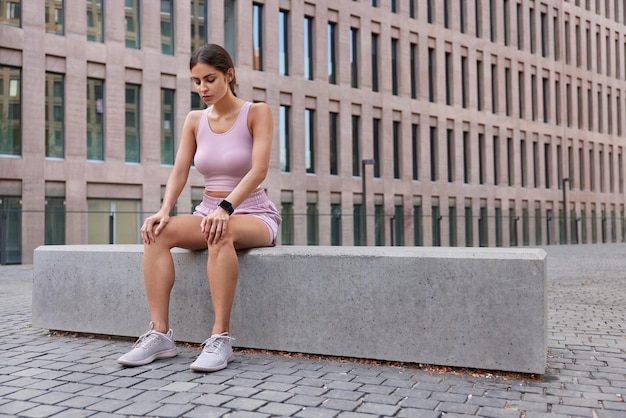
{"x":215,"y":342}
{"x":147,"y":340}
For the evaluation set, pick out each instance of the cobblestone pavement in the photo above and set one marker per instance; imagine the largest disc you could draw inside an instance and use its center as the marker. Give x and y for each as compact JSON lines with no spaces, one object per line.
{"x":44,"y":375}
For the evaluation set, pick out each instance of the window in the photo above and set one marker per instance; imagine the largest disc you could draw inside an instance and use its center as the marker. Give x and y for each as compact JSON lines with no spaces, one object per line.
{"x":332,"y":53}
{"x":114,"y":221}
{"x":446,"y":14}
{"x":334,"y":142}
{"x":413,"y":70}
{"x":312,"y":220}
{"x":376,"y":144}
{"x":11,"y":13}
{"x":493,"y":20}
{"x":430,"y":11}
{"x":309,"y":140}
{"x":55,"y":220}
{"x":379,"y":224}
{"x":285,"y":139}
{"x":450,"y":154}
{"x":257,"y":37}
{"x":432,"y":76}
{"x":375,"y":59}
{"x":532,"y":24}
{"x":55,"y":109}
{"x":544,"y":34}
{"x":132,"y":124}
{"x":481,"y":159}
{"x":436,"y":224}
{"x":394,"y":66}
{"x":283,"y":42}
{"x":507,"y":91}
{"x":95,"y":119}
{"x":452,"y":225}
{"x":467,"y":158}
{"x":356,"y":152}
{"x":95,"y":21}
{"x":510,"y":156}
{"x":496,"y":160}
{"x":568,"y":46}
{"x":547,"y":159}
{"x":463,"y":16}
{"x":308,"y":48}
{"x":449,"y":75}
{"x":418,"y":229}
{"x":393,"y":6}
{"x":335,"y":221}
{"x":464,"y":86}
{"x":507,"y":22}
{"x":479,"y":85}
{"x":198,"y":23}
{"x":533,"y":96}
{"x":521,"y":102}
{"x":354,"y":57}
{"x":11,"y":110}
{"x":494,"y":88}
{"x":520,"y":27}
{"x":11,"y":209}
{"x":397,"y":149}
{"x":415,"y":154}
{"x":545,"y":87}
{"x":433,"y":154}
{"x":412,"y":9}
{"x":167,"y":27}
{"x":287,"y":227}
{"x":55,"y":18}
{"x":230,"y":29}
{"x":469,"y":224}
{"x":478,"y":18}
{"x":498,"y":221}
{"x":523,"y":161}
{"x":578,"y":41}
{"x":398,"y":214}
{"x":167,"y":127}
{"x":357,"y":217}
{"x":556,"y":37}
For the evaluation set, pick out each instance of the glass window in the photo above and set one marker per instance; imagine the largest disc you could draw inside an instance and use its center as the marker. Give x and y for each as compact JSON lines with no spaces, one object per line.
{"x":464,"y":86}
{"x":332,"y":53}
{"x":335,"y":224}
{"x":95,"y":119}
{"x":167,"y":126}
{"x":283,"y":42}
{"x":287,"y":225}
{"x":55,"y":18}
{"x":375,"y":59}
{"x":198,"y":25}
{"x":354,"y":57}
{"x":113,"y":221}
{"x":11,"y":12}
{"x":418,"y":229}
{"x":398,"y":223}
{"x":430,"y":11}
{"x":415,"y":151}
{"x":308,"y":48}
{"x":285,"y":140}
{"x":394,"y":66}
{"x":230,"y":29}
{"x":379,"y":224}
{"x":133,"y":24}
{"x":95,"y":21}
{"x":309,"y":140}
{"x":467,"y":157}
{"x":55,"y":221}
{"x":432,"y":77}
{"x":377,"y":147}
{"x":55,"y":109}
{"x":356,"y":153}
{"x":397,"y":149}
{"x":132,"y":123}
{"x":11,"y":229}
{"x":469,"y":225}
{"x":436,"y":225}
{"x":479,"y":85}
{"x":167,"y":27}
{"x":10,"y":111}
{"x":413,"y":75}
{"x":257,"y":37}
{"x":312,"y":220}
{"x":334,"y":142}
{"x":449,"y":78}
{"x":433,"y":154}
{"x":450,"y":154}
{"x":452,"y":226}
{"x":357,"y":216}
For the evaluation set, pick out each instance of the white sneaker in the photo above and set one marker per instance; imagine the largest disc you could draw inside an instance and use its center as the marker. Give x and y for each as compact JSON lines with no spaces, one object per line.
{"x":217,"y":353}
{"x":149,"y":347}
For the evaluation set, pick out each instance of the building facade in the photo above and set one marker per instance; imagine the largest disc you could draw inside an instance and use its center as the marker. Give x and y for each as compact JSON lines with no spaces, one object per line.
{"x":397,"y":122}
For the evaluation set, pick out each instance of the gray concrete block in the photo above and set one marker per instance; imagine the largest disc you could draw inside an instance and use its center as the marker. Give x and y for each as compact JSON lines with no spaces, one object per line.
{"x":468,"y":307}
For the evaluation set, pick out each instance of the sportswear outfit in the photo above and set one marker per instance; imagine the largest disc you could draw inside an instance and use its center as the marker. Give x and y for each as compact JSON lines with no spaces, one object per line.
{"x":223,"y":159}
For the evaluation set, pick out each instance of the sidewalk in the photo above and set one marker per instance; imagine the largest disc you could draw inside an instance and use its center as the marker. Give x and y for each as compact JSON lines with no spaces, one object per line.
{"x":64,"y":376}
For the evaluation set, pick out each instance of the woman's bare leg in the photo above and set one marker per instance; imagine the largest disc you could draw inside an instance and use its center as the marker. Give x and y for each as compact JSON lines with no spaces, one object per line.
{"x":158,"y":267}
{"x":244,"y":231}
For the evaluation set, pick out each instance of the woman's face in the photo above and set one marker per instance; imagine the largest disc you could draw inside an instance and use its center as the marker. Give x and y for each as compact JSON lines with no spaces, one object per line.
{"x":211,"y":84}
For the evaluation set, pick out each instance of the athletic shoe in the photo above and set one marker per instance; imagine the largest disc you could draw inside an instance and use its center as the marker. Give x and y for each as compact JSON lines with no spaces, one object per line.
{"x":217,"y":353}
{"x":149,"y":347}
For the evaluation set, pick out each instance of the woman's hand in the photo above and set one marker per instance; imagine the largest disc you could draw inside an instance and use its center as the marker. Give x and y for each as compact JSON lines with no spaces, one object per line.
{"x":152,"y":226}
{"x":214,"y":225}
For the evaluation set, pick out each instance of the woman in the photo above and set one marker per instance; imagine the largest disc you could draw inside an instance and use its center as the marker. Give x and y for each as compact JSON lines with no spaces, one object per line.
{"x":230,"y":143}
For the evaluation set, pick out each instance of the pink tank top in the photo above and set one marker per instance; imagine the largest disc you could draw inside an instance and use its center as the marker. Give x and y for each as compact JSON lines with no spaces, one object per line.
{"x":223,"y":159}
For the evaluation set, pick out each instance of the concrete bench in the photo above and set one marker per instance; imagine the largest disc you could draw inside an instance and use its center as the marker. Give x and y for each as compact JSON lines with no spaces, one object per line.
{"x":483,"y":308}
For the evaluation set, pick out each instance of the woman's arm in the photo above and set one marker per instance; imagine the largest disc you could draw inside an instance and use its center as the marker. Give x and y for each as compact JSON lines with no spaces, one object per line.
{"x":177,"y":179}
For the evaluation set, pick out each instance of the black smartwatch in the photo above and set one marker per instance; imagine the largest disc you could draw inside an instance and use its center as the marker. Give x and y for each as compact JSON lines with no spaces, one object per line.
{"x":227,"y":206}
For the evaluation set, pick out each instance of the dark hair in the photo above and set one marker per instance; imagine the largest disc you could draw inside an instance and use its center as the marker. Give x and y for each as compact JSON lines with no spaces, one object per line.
{"x":215,"y":56}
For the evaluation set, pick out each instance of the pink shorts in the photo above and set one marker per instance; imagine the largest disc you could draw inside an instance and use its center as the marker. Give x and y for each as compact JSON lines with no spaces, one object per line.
{"x":257,"y":204}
